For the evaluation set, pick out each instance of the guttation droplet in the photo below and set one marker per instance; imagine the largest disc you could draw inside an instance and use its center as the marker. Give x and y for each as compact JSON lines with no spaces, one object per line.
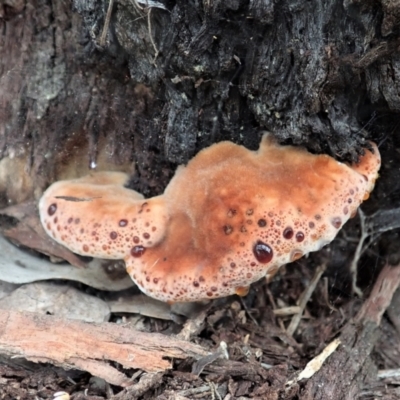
{"x":299,"y":236}
{"x":263,"y":252}
{"x":52,"y":209}
{"x":288,"y":233}
{"x":137,"y":251}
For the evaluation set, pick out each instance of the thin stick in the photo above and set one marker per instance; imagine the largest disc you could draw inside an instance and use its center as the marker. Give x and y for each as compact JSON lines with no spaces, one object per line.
{"x":304,"y":299}
{"x":103,"y":36}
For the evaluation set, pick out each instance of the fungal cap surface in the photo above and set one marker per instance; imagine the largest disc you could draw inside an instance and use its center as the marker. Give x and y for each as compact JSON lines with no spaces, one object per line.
{"x":227,"y":219}
{"x":237,"y":215}
{"x":96,"y":216}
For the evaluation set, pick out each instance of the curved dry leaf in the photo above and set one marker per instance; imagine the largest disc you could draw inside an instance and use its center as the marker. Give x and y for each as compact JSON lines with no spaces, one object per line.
{"x":56,"y":299}
{"x":17,"y":266}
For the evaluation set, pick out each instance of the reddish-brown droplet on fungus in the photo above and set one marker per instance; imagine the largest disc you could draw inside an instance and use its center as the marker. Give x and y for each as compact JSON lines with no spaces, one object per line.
{"x":52,"y":209}
{"x":288,"y":233}
{"x":299,"y":236}
{"x":263,"y":252}
{"x":113,"y":235}
{"x":137,"y":251}
{"x":123,"y":222}
{"x":262,"y":223}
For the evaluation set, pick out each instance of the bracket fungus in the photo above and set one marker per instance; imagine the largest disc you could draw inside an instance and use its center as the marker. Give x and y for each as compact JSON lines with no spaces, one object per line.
{"x":227,"y":219}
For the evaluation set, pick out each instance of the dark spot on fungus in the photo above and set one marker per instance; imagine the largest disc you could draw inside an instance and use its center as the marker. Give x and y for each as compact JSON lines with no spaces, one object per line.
{"x":227,"y":229}
{"x":249,"y":211}
{"x":214,"y":288}
{"x":231,"y":213}
{"x":77,"y":220}
{"x":196,"y":284}
{"x":52,"y":209}
{"x":201,"y":278}
{"x":70,"y":219}
{"x":155,"y":280}
{"x":81,"y":230}
{"x":262,"y":223}
{"x":262,"y":252}
{"x":113,"y":235}
{"x":137,"y":251}
{"x":288,"y":233}
{"x":351,"y":191}
{"x":317,"y":217}
{"x":311,"y":224}
{"x":299,"y":236}
{"x":136,"y":239}
{"x":345,"y":210}
{"x":365,"y":178}
{"x":232,"y":265}
{"x":146,"y":235}
{"x":349,"y":201}
{"x":336,"y":222}
{"x":123,"y":222}
{"x":55,"y":220}
{"x":85,"y":247}
{"x":153,"y":229}
{"x":209,"y":294}
{"x":243,"y":229}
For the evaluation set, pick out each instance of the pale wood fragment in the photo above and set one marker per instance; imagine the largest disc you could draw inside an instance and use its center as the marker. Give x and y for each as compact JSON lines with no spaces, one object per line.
{"x":90,"y":347}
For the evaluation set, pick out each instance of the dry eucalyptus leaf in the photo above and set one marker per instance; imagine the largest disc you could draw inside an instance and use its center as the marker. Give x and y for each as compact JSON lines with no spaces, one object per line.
{"x":149,"y":307}
{"x":18,"y":266}
{"x":142,"y":305}
{"x":20,"y":223}
{"x":56,"y":299}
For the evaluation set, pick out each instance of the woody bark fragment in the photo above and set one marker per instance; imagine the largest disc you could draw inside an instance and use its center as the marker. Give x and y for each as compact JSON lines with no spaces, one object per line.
{"x":351,"y":367}
{"x":89,"y":347}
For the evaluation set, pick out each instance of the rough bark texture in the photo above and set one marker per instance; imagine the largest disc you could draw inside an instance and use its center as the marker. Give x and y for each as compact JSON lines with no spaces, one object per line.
{"x":312,"y":72}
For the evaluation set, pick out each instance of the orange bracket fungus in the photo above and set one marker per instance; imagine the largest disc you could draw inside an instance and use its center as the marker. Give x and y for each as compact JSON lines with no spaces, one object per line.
{"x":227,"y":219}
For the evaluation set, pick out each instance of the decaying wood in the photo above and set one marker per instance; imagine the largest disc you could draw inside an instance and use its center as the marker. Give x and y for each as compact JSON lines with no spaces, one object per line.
{"x":90,"y":347}
{"x":350,"y":367}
